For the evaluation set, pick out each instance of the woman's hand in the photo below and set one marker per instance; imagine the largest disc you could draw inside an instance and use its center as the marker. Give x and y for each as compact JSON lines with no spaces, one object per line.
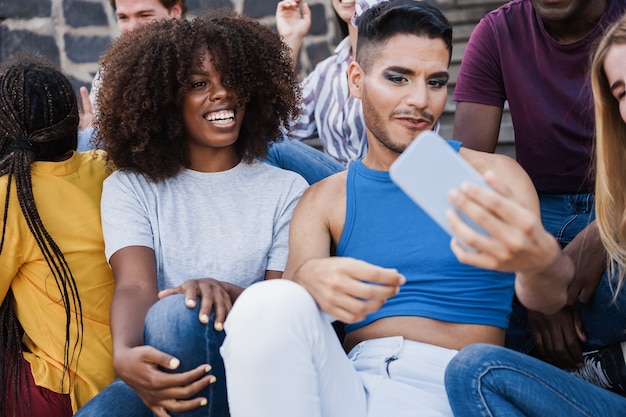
{"x":141,"y":368}
{"x":214,"y":295}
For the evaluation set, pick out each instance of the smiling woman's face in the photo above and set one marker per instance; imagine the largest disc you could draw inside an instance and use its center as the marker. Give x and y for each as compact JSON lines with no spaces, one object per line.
{"x":212,"y":113}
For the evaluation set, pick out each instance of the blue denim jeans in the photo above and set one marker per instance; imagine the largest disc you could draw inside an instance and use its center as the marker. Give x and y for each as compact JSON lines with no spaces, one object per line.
{"x":486,"y":380}
{"x":604,"y":321}
{"x":303,"y":159}
{"x":171,"y":327}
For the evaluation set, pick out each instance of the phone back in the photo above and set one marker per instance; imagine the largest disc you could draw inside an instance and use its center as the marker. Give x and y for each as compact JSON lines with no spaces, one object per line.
{"x":427,"y":170}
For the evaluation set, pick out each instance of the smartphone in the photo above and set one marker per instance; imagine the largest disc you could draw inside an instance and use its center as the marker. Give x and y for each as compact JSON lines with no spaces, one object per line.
{"x":427,"y":170}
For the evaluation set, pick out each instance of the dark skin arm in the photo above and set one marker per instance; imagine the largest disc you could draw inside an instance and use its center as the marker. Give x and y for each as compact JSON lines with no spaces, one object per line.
{"x":477,"y":125}
{"x":557,"y":337}
{"x":134,"y":269}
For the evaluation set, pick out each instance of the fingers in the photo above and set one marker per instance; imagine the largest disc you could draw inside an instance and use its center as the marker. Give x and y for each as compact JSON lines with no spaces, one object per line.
{"x":164,"y":360}
{"x":287,"y":5}
{"x":85,"y":111}
{"x":363,"y":271}
{"x":159,"y":411}
{"x":170,"y":291}
{"x":180,"y":406}
{"x":353,"y":310}
{"x":216,"y":299}
{"x":556,"y":338}
{"x":306,"y":11}
{"x":578,"y":326}
{"x":490,"y":210}
{"x":85,"y":101}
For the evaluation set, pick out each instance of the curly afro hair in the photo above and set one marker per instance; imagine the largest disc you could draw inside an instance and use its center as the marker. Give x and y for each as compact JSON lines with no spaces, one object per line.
{"x":145,"y":78}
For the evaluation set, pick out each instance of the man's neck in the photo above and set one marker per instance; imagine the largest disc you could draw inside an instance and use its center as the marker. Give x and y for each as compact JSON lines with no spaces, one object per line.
{"x":579,"y":26}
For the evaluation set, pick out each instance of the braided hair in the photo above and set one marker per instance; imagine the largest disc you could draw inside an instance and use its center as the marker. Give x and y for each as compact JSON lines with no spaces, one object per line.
{"x":38,"y":122}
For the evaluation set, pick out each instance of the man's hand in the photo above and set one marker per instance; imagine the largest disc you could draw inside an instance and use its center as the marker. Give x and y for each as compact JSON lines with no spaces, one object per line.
{"x":85,"y":111}
{"x":346,"y":288}
{"x":557,"y":337}
{"x":517,"y":240}
{"x":161,"y":391}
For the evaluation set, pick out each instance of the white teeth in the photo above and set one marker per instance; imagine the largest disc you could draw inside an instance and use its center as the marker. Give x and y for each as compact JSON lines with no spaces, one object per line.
{"x":222,"y":115}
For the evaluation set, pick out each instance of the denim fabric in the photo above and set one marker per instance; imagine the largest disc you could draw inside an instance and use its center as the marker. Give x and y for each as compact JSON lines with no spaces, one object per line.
{"x":171,"y":327}
{"x":564,"y":216}
{"x":174,"y":328}
{"x":303,"y":159}
{"x":486,"y":380}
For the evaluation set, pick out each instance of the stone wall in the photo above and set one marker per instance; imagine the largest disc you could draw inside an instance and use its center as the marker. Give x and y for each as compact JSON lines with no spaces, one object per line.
{"x":73,"y":33}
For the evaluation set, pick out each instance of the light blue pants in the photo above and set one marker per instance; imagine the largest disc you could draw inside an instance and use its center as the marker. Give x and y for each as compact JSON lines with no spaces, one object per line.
{"x":486,"y":380}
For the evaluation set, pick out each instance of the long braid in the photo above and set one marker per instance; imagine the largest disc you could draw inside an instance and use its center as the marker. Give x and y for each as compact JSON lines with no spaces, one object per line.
{"x":38,"y":121}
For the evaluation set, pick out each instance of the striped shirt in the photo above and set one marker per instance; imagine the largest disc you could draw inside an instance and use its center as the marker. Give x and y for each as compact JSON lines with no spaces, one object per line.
{"x":329,"y":112}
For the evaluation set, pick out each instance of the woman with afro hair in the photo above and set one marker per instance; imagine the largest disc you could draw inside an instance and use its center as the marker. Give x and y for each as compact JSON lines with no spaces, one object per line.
{"x":55,"y":283}
{"x":190,"y":216}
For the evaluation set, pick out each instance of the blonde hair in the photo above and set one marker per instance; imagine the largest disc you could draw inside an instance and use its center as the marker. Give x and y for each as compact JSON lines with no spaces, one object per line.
{"x":610,"y":157}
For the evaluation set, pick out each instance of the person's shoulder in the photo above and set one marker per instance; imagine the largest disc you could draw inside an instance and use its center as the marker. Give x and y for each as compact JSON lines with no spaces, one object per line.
{"x":122,"y":178}
{"x":483,"y":161}
{"x":508,"y":170}
{"x":328,"y":190}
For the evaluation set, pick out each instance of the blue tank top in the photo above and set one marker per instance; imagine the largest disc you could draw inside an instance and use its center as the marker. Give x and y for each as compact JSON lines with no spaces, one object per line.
{"x":386,"y":228}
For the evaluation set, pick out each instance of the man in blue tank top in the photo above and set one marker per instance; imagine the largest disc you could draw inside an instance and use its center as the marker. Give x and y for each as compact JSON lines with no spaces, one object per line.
{"x":409,"y":303}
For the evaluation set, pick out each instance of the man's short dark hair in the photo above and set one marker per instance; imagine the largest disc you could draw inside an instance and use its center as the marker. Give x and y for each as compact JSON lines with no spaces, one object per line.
{"x":168,"y":4}
{"x":393,"y":17}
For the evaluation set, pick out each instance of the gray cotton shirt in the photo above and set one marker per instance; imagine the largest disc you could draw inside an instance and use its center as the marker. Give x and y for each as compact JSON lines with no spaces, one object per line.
{"x":231,"y":225}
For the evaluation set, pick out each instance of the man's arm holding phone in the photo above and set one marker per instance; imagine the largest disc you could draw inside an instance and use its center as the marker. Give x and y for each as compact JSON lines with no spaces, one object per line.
{"x":517,"y":241}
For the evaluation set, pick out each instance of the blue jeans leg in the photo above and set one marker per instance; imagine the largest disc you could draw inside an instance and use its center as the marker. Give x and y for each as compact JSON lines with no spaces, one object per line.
{"x":487,"y":380}
{"x":604,"y":317}
{"x":303,"y":159}
{"x":174,"y":328}
{"x":118,"y":399}
{"x":565,"y":215}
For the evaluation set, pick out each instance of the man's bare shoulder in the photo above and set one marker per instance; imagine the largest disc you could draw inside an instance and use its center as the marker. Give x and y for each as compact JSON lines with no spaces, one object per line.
{"x":328,"y":190}
{"x":508,"y":170}
{"x":483,"y":161}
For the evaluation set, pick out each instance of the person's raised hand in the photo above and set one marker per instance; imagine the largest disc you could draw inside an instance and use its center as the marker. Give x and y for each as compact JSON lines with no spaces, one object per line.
{"x":293,"y":20}
{"x":85,"y":111}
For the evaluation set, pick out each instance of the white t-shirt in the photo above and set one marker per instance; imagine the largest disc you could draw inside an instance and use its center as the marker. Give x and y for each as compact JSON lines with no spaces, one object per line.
{"x":231,"y":226}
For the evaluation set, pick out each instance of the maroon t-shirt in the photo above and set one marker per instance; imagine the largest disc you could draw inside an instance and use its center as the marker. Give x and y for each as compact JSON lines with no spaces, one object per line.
{"x":510,"y":56}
